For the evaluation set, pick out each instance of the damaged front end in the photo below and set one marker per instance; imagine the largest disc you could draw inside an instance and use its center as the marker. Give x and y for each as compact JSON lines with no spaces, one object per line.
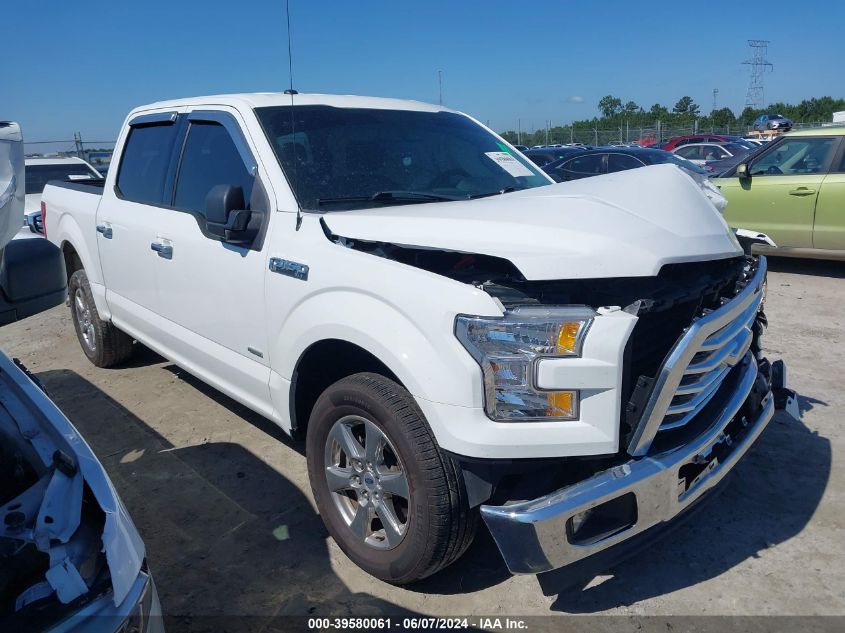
{"x":68,"y":549}
{"x":695,"y":406}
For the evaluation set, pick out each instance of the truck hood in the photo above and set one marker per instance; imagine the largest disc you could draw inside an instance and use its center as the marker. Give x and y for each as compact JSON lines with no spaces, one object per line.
{"x":626,"y":224}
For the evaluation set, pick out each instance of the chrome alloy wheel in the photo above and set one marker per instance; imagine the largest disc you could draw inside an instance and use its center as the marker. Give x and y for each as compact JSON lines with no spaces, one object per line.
{"x":83,"y":317}
{"x":367,"y":481}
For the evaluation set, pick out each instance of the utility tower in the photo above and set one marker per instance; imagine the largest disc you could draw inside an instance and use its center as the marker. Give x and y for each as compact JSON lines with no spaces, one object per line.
{"x":755,"y":97}
{"x":715,"y":99}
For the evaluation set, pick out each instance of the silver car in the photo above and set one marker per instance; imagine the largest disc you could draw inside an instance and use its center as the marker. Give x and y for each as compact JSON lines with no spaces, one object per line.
{"x":767,"y":122}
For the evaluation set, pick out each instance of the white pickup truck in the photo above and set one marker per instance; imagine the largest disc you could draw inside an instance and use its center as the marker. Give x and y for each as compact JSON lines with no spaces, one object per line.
{"x":454,"y":335}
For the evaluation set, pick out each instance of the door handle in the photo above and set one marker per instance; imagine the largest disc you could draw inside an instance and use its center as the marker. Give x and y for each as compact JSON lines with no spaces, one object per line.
{"x":802,"y":191}
{"x":163,"y":250}
{"x":105,"y":230}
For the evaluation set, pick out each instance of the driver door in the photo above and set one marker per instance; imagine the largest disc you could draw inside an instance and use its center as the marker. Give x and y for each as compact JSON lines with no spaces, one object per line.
{"x":779,"y":199}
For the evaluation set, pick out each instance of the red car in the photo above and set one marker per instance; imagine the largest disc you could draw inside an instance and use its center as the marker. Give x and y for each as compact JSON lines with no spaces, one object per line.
{"x":677,"y":141}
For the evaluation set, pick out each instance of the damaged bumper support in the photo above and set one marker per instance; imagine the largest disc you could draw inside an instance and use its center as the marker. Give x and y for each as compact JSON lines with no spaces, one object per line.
{"x":617,"y":504}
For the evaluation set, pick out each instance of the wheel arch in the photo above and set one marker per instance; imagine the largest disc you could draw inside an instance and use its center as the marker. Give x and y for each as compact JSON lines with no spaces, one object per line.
{"x":320,"y":365}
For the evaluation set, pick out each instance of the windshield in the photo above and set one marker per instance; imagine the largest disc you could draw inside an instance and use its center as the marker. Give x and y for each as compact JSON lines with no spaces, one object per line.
{"x":660,"y":157}
{"x":337,"y":159}
{"x":37,"y":176}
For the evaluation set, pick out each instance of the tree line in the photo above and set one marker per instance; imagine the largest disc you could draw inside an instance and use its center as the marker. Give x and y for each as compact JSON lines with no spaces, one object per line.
{"x":614,"y":112}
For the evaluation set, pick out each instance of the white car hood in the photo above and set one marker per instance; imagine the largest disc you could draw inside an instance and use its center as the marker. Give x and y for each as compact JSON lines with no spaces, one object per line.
{"x":625,"y":224}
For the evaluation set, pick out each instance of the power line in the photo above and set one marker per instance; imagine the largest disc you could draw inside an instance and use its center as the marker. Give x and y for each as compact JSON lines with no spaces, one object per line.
{"x":755,"y":97}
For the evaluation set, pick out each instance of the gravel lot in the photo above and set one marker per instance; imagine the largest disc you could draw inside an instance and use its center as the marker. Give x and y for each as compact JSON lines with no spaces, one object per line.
{"x":222,"y":500}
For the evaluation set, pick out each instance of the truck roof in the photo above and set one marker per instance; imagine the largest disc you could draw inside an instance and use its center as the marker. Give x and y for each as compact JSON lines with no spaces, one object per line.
{"x":264,"y":99}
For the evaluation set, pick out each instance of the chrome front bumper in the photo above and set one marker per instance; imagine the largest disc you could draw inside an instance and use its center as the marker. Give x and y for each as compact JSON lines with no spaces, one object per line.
{"x":539,"y":535}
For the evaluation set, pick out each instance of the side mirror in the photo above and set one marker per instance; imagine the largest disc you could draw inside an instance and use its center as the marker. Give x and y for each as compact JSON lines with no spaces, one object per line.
{"x":742,"y":171}
{"x":226,"y":216}
{"x":32,"y":279}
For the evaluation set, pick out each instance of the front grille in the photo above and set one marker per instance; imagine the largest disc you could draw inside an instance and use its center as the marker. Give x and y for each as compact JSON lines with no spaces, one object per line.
{"x":701,"y":379}
{"x":699,"y":361}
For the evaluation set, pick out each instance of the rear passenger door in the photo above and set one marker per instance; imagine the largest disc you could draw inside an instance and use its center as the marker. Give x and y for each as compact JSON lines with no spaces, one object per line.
{"x":829,"y":225}
{"x":212,"y":292}
{"x":127,"y":218}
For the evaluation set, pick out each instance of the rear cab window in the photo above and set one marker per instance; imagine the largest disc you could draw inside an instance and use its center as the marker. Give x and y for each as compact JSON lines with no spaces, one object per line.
{"x":145,"y":161}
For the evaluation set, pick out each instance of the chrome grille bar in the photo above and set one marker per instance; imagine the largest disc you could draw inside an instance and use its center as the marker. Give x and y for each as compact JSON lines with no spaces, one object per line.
{"x":698,"y":362}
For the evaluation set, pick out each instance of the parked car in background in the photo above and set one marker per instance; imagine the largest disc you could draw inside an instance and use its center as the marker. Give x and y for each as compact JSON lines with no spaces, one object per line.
{"x":546,"y":155}
{"x":678,"y":141}
{"x":521,"y":148}
{"x":766,"y":122}
{"x":793,"y":190}
{"x":583,"y":163}
{"x":70,"y":556}
{"x":717,"y":167}
{"x":703,"y":153}
{"x":39,"y":171}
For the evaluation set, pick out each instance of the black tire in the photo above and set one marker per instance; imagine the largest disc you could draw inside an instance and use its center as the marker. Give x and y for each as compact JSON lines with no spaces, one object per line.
{"x":102,"y":342}
{"x":439,"y":525}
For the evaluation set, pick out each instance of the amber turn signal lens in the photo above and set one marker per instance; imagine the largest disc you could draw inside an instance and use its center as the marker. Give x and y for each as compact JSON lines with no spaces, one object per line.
{"x":561,"y":404}
{"x":567,"y":337}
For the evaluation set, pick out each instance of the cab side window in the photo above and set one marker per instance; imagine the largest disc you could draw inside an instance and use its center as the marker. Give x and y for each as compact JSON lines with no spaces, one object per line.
{"x":210,"y":158}
{"x":144,"y":163}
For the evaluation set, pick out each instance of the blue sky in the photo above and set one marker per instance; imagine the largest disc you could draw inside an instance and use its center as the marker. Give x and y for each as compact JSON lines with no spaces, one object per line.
{"x":75,"y":69}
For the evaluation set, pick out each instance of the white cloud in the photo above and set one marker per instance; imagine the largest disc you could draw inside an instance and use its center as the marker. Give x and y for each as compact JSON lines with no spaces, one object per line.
{"x":575,"y":99}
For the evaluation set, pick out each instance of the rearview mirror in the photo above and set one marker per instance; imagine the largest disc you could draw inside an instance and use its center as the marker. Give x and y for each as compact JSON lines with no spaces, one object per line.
{"x":226,"y":215}
{"x":32,"y":279}
{"x":742,"y":171}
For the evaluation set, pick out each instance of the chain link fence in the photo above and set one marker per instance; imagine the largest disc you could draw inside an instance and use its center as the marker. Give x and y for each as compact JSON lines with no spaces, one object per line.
{"x":646,"y":135}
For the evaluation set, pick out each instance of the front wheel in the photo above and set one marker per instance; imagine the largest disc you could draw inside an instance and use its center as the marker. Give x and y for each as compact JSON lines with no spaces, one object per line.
{"x":393,"y":501}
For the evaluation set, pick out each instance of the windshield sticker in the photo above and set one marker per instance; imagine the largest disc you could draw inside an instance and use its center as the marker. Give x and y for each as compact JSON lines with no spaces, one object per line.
{"x":509,"y":164}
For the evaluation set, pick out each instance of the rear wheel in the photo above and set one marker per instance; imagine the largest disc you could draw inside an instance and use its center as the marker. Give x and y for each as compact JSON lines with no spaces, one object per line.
{"x":393,"y":501}
{"x":102,"y":342}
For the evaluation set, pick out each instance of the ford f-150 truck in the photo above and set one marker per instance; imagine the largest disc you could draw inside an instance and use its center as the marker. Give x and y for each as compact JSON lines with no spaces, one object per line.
{"x":454,"y":335}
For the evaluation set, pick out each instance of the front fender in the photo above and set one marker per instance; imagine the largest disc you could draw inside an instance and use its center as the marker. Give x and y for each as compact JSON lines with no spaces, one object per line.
{"x":427,"y":359}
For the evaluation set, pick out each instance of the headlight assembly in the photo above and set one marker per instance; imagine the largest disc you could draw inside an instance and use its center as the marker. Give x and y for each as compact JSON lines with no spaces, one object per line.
{"x":507,"y":349}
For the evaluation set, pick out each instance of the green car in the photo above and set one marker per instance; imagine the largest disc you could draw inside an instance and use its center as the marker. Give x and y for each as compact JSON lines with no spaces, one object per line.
{"x":794,"y":192}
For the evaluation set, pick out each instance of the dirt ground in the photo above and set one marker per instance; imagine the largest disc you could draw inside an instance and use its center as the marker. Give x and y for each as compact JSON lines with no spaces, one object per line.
{"x":222,"y":500}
